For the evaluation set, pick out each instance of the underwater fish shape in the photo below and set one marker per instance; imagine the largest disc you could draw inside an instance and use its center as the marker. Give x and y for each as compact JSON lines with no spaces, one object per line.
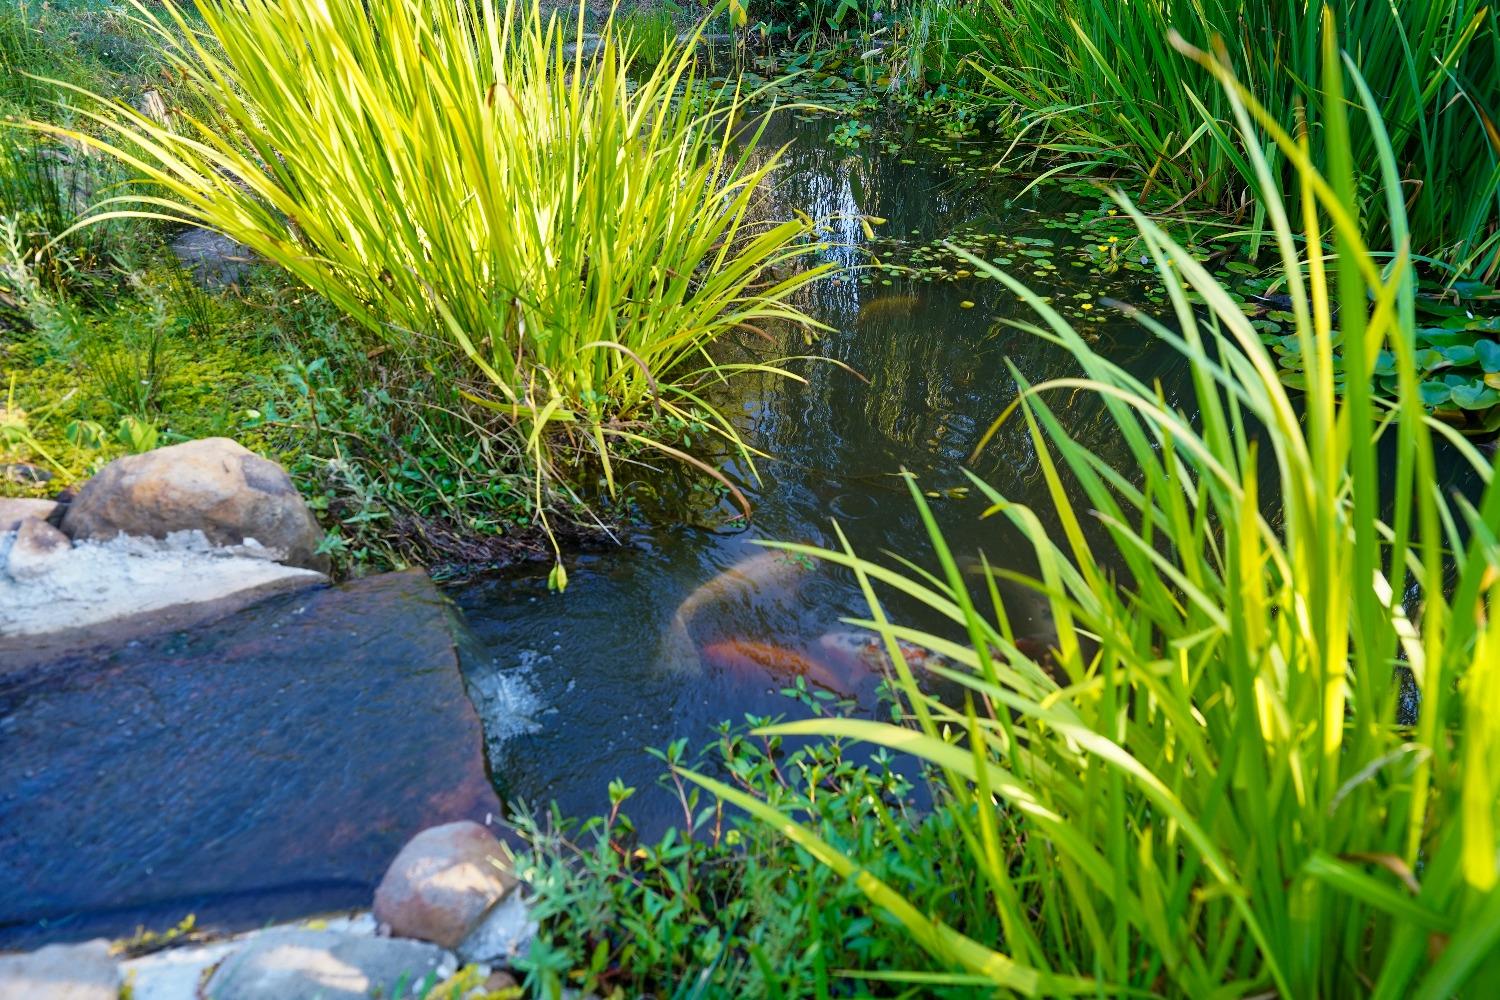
{"x":887,"y":307}
{"x":865,"y":652}
{"x":769,"y":571}
{"x":748,"y":658}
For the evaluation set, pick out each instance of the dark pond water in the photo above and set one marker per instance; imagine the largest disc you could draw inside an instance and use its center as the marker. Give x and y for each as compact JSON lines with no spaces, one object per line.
{"x":573,"y":687}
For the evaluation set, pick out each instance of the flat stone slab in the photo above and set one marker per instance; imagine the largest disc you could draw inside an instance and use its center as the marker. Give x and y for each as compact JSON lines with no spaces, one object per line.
{"x":328,"y":965}
{"x":258,"y":767}
{"x":61,"y":972}
{"x":178,"y":972}
{"x":97,"y":582}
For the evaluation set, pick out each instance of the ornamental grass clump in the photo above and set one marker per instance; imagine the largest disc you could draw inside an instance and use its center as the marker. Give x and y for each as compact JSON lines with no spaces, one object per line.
{"x":1210,"y":786}
{"x":565,"y":240}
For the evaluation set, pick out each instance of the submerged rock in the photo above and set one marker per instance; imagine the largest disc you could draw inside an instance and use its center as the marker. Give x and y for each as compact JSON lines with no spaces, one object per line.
{"x":443,"y":882}
{"x":256,"y":767}
{"x":327,"y":965}
{"x":215,"y":486}
{"x":61,"y":972}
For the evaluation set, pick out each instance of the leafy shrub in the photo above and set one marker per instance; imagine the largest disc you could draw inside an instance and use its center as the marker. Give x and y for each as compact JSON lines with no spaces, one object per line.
{"x":1207,"y":787}
{"x":562,"y":241}
{"x":721,"y":906}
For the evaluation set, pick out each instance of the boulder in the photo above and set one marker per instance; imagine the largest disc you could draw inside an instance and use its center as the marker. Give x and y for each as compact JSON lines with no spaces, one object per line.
{"x":327,"y":965}
{"x":233,"y":496}
{"x":14,"y":510}
{"x":443,"y":882}
{"x":61,"y":972}
{"x":36,"y":547}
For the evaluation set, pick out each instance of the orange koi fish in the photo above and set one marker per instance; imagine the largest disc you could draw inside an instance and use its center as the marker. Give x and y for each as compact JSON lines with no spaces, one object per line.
{"x":748,"y":658}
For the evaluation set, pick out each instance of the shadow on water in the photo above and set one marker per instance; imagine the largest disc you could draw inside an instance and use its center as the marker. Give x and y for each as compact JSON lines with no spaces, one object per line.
{"x":573,"y":687}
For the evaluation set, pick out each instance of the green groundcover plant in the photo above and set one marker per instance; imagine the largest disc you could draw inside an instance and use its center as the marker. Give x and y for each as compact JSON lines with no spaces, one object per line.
{"x":561,"y":240}
{"x":1206,"y":788}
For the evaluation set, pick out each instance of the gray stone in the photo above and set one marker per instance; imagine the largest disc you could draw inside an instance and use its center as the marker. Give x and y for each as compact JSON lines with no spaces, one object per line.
{"x":215,"y":486}
{"x":327,"y":965}
{"x":176,"y":973}
{"x":23,"y":472}
{"x":502,"y":936}
{"x":214,"y":259}
{"x":61,"y":972}
{"x":443,"y":883}
{"x":15,"y":510}
{"x":151,"y":105}
{"x":34,"y":550}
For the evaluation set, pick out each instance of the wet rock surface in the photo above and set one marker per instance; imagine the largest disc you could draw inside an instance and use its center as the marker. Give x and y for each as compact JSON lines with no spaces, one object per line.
{"x":261,"y":766}
{"x":214,"y":486}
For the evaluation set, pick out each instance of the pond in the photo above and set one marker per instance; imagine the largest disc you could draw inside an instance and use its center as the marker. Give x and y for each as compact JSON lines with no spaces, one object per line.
{"x":573,"y":687}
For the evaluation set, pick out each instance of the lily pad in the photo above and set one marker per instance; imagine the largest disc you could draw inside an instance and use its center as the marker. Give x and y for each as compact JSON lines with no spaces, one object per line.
{"x":1435,"y":393}
{"x":1476,"y":396}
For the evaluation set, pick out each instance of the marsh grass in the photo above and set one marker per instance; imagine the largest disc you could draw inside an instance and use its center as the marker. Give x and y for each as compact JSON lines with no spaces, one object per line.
{"x":564,"y":242}
{"x":1096,"y":83}
{"x":1205,"y":789}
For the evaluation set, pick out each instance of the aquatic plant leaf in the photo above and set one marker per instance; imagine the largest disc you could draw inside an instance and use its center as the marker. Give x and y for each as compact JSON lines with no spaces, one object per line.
{"x":1435,"y":393}
{"x":1460,"y":354}
{"x":1475,"y":396}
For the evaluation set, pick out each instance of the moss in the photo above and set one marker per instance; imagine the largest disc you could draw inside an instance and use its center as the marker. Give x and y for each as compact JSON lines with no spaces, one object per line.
{"x":206,"y":381}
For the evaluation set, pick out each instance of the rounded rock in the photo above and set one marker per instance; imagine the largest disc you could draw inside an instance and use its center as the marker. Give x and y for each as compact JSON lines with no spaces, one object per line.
{"x":213,"y":485}
{"x":443,"y":883}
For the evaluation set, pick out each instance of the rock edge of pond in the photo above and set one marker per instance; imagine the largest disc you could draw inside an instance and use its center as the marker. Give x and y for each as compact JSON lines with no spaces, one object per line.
{"x":190,"y":725}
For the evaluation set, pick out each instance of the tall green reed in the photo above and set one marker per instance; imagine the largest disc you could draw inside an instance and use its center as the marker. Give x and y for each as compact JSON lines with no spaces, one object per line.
{"x":1206,"y":789}
{"x":1097,"y":82}
{"x":565,"y":240}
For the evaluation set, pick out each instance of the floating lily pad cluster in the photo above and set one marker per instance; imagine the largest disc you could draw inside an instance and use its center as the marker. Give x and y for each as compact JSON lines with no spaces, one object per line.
{"x":1457,"y":358}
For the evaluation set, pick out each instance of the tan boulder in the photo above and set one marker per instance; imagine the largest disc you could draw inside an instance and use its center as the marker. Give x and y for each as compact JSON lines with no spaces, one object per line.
{"x":443,"y":883}
{"x":215,"y":486}
{"x":36,"y":546}
{"x":14,"y":510}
